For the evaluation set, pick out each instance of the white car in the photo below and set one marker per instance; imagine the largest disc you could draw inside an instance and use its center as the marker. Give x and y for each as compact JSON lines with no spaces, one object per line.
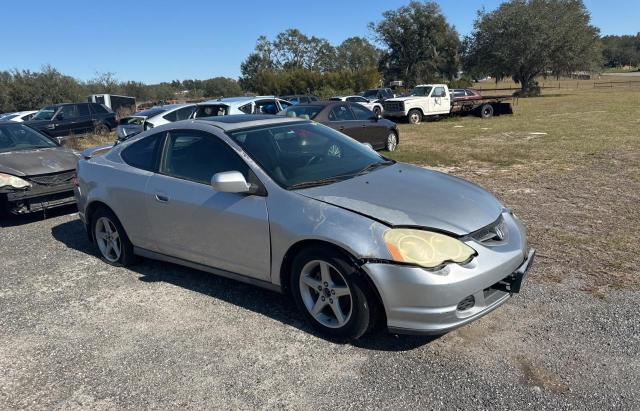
{"x":157,"y":116}
{"x":371,"y":105}
{"x":18,"y":117}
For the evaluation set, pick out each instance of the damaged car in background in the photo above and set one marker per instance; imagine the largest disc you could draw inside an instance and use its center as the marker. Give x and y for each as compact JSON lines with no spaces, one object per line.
{"x":36,"y":173}
{"x":356,"y":239}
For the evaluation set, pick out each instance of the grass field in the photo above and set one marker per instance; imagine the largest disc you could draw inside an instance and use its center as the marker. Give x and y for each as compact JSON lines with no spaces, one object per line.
{"x":568,"y":163}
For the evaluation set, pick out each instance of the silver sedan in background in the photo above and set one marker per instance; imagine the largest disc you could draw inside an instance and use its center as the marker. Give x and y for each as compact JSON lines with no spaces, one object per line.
{"x":291,"y":205}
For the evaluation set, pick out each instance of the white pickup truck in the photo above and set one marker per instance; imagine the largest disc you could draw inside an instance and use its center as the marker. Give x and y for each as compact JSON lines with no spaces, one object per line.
{"x":434,"y":100}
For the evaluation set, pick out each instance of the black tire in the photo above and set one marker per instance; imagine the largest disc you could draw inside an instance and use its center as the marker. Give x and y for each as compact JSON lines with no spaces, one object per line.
{"x":414,"y":116}
{"x":101,"y":129}
{"x":377,"y":111}
{"x":126,"y":257}
{"x":363,"y":309}
{"x":486,"y":111}
{"x":4,"y":206}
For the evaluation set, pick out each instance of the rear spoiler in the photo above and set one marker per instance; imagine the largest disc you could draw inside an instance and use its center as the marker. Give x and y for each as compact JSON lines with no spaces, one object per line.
{"x":96,"y":151}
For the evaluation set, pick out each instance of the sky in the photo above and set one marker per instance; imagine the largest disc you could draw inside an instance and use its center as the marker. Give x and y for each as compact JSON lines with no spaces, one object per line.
{"x":154,"y":41}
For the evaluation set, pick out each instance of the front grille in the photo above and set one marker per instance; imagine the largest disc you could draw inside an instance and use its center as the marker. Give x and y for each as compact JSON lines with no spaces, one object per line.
{"x":53,"y":179}
{"x":494,"y":232}
{"x":393,"y":106}
{"x":467,"y":303}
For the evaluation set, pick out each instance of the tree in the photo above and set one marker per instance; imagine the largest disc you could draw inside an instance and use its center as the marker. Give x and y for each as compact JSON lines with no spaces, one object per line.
{"x":621,"y":50}
{"x":357,"y":53}
{"x":523,"y":39}
{"x":420,"y":45}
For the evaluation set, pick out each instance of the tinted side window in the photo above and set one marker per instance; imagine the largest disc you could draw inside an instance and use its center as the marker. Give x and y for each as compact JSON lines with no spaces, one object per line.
{"x":246,"y":108}
{"x":284,"y":104}
{"x":68,"y":112}
{"x":99,"y":109}
{"x":341,"y":113}
{"x":143,"y":154}
{"x":197,"y":156}
{"x":83,"y":110}
{"x":361,"y":113}
{"x":266,"y":107}
{"x":180,"y":114}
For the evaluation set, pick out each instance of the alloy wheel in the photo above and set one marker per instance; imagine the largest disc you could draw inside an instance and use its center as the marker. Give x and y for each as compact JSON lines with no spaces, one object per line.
{"x":392,"y":141}
{"x":108,"y":239}
{"x":326,"y":294}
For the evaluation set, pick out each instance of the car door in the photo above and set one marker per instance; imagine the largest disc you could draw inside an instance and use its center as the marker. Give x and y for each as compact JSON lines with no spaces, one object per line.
{"x":84,"y":122}
{"x":371,"y":130}
{"x":439,"y":101}
{"x":63,"y":122}
{"x":191,"y":221}
{"x":341,"y":118}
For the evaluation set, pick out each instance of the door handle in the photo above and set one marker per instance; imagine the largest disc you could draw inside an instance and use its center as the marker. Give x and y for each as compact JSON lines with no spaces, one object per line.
{"x":162,"y":198}
{"x":51,"y":126}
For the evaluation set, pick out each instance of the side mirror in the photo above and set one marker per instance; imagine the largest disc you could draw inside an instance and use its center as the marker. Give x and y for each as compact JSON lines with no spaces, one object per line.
{"x":230,"y":182}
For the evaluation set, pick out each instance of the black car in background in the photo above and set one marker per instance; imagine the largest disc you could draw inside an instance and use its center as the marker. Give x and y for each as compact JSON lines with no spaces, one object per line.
{"x":36,"y":173}
{"x":300,"y":98}
{"x":352,"y":119}
{"x":61,"y":120}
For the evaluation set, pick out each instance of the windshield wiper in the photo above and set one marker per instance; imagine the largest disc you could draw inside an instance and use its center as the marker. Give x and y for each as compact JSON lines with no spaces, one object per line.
{"x":373,"y":166}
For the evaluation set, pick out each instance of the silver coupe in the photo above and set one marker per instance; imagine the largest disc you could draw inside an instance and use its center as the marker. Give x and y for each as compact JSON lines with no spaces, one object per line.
{"x":356,"y":239}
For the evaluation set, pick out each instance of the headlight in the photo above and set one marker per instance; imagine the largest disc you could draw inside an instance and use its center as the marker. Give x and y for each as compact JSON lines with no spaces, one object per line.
{"x":425,"y":248}
{"x":7,"y":180}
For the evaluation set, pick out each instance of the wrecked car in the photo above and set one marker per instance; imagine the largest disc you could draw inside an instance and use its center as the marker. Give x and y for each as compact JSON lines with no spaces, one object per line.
{"x":36,"y":173}
{"x":291,"y":205}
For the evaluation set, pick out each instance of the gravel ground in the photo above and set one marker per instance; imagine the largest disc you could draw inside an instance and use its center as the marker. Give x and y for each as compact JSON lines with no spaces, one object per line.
{"x":77,"y":333}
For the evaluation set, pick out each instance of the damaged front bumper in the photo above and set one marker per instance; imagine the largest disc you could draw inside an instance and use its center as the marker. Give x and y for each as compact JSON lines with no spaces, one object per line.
{"x":44,"y":193}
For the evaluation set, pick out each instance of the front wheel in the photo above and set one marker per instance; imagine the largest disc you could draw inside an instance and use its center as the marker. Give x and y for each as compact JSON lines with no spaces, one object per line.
{"x":392,"y":141}
{"x":377,"y":110}
{"x":414,"y":116}
{"x":111,"y":239}
{"x":101,"y":129}
{"x":331,"y":294}
{"x":486,"y":111}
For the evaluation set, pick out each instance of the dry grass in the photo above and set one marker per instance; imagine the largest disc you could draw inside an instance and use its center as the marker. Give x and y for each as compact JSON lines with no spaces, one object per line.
{"x":89,"y":140}
{"x":568,"y":164}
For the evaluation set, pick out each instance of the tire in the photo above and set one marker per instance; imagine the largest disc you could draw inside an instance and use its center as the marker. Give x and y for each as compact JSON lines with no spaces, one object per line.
{"x":414,"y":116}
{"x":324,"y":283}
{"x":377,"y":110}
{"x":112,"y":242}
{"x":486,"y":111}
{"x":392,"y":141}
{"x":101,"y":129}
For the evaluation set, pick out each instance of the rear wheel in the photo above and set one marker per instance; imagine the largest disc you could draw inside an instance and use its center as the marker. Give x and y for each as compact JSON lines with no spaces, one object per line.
{"x":392,"y":141}
{"x":486,"y":111}
{"x":101,"y":129}
{"x":377,"y":110}
{"x":331,"y":293}
{"x":414,"y":116}
{"x":111,"y":239}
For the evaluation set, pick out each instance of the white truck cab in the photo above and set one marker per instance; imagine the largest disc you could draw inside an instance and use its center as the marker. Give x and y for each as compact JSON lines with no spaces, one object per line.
{"x":424,"y":100}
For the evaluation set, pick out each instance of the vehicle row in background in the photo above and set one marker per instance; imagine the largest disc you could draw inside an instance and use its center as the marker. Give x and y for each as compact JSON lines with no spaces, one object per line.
{"x":63,"y":120}
{"x":352,"y":119}
{"x":427,"y":100}
{"x":156,"y":116}
{"x":18,"y":116}
{"x":375,"y":106}
{"x":300,"y":98}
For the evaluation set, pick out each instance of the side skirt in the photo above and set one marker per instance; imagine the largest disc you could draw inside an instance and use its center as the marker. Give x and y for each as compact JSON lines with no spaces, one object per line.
{"x":222,"y":273}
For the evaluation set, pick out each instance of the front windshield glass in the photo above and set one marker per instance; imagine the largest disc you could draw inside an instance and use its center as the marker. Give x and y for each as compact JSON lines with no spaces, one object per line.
{"x":421,"y":91}
{"x":303,"y":111}
{"x":369,"y":94}
{"x":300,"y":155}
{"x":18,"y":137}
{"x":45,"y":113}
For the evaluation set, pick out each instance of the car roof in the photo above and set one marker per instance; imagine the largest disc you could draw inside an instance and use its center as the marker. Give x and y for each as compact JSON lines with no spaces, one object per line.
{"x":240,"y":121}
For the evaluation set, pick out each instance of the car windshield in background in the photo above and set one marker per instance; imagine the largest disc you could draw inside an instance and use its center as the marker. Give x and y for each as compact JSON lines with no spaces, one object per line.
{"x":301,"y":155}
{"x":305,"y":112}
{"x":45,"y":113}
{"x":212,"y":110}
{"x":8,"y":117}
{"x":369,"y":94}
{"x":18,"y":137}
{"x":154,"y":111}
{"x":421,"y":91}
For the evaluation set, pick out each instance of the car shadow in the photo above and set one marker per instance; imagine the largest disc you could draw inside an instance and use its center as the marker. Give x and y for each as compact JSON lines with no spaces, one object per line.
{"x":17,"y":220}
{"x":268,"y":303}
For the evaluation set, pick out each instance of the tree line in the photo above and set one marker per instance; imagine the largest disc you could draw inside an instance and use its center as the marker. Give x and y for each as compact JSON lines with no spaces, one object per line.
{"x":520,"y":39}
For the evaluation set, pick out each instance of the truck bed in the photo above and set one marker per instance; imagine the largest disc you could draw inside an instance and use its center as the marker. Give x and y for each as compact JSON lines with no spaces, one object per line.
{"x":501,"y":104}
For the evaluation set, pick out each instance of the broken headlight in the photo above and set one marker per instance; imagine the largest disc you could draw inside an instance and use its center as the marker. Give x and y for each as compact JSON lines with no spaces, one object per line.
{"x":425,"y":248}
{"x":7,"y":180}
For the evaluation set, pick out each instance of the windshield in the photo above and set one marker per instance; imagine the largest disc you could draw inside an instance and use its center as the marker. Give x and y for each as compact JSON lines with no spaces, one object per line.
{"x":154,"y":111}
{"x":18,"y":137}
{"x":45,"y":113}
{"x":302,"y":111}
{"x":369,"y":94}
{"x":8,"y":117}
{"x":299,"y":155}
{"x":421,"y":91}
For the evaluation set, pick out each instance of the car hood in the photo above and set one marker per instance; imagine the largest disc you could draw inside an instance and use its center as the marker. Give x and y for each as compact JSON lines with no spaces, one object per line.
{"x":405,"y":195}
{"x":40,"y":161}
{"x":408,"y":98}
